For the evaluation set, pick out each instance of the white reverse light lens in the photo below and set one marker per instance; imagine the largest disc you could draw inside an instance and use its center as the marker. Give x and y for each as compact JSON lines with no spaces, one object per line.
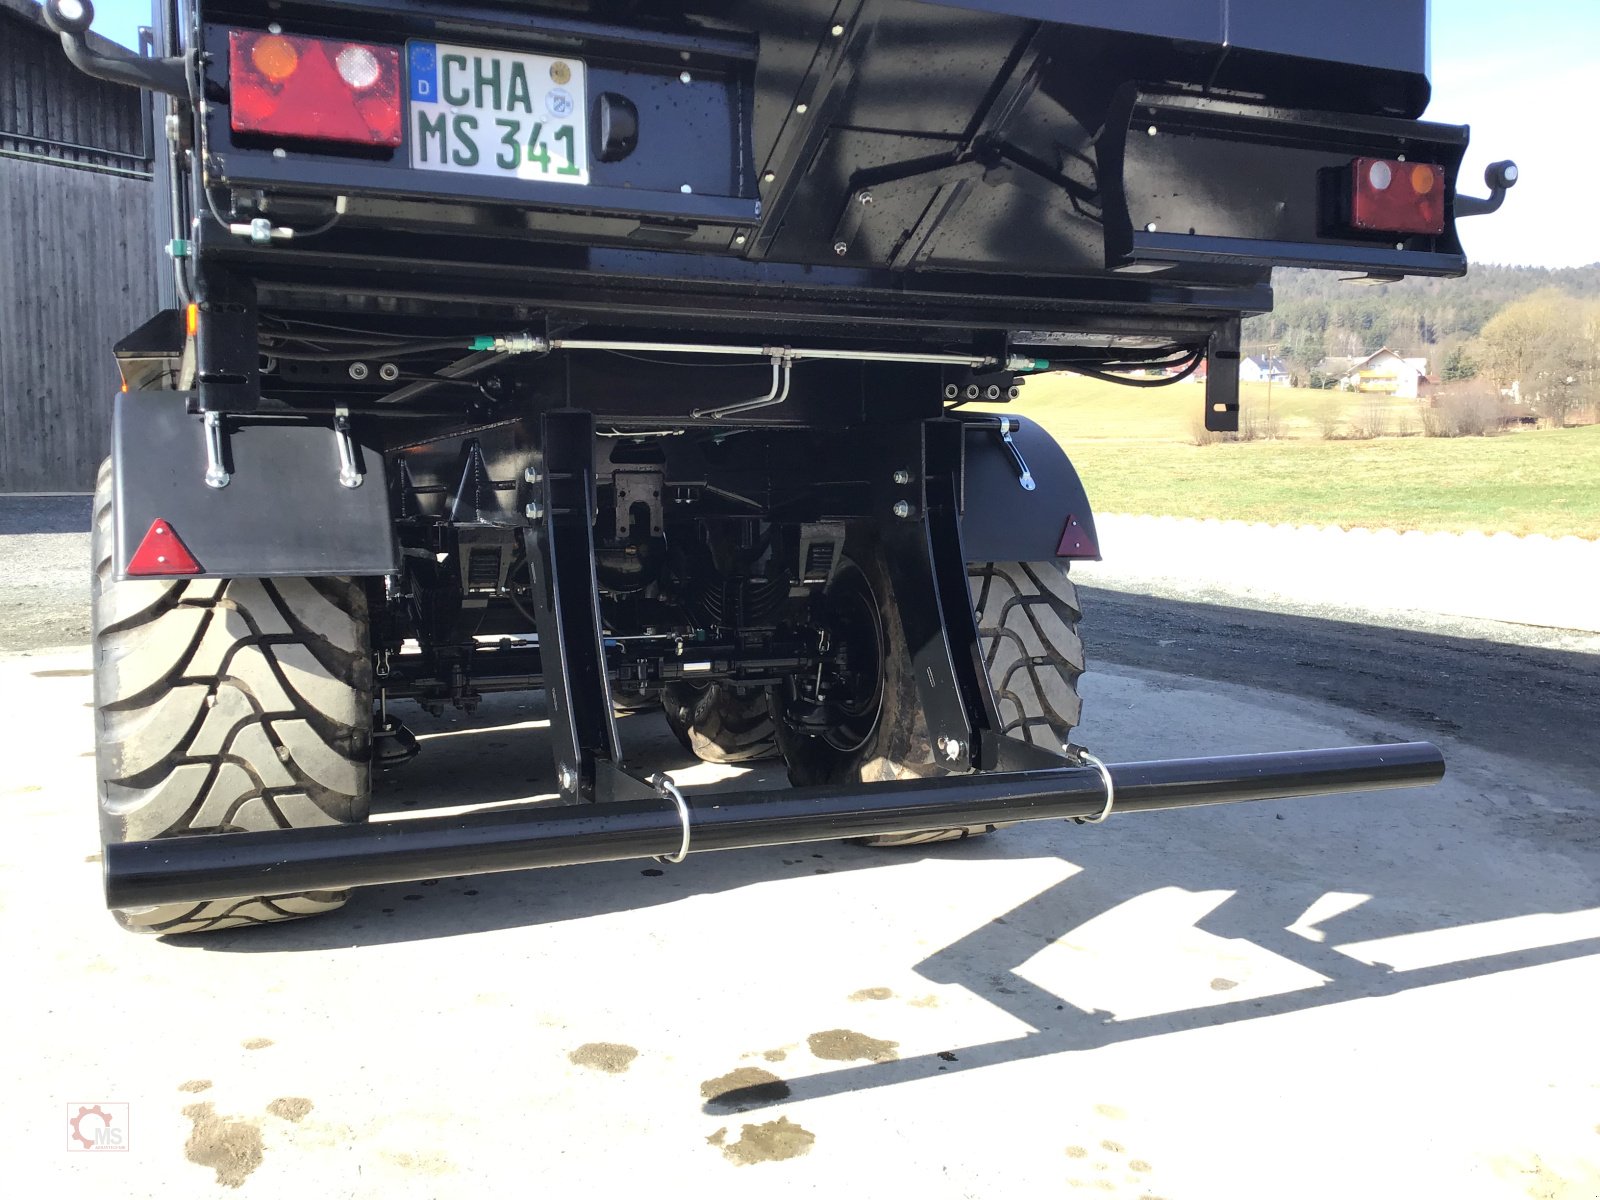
{"x":1379,"y":175}
{"x":70,"y":9}
{"x":358,"y":66}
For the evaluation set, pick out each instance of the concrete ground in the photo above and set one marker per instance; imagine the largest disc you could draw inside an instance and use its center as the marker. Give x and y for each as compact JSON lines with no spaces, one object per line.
{"x":1382,"y":995}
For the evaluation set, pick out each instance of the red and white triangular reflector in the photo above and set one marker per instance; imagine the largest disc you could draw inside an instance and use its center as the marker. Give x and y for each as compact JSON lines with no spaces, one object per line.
{"x":162,"y":553}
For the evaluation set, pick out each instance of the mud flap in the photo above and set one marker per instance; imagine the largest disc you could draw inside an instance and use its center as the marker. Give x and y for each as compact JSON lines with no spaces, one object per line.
{"x":1003,"y":519}
{"x":282,"y":509}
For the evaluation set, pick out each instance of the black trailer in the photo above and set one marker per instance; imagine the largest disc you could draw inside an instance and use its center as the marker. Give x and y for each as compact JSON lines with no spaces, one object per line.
{"x":673,"y":356}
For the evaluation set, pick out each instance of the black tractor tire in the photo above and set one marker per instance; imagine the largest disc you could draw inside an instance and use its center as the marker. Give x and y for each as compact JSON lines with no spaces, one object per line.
{"x":224,"y":705}
{"x":895,"y":744}
{"x":1027,"y":617}
{"x":721,"y":723}
{"x":628,"y":702}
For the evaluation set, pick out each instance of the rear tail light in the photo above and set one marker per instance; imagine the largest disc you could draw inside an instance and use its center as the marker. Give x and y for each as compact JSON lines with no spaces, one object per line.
{"x":320,"y":89}
{"x":1393,"y":196}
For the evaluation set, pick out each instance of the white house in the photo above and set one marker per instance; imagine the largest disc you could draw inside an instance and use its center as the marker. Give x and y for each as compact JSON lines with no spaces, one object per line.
{"x":1261,"y":368}
{"x":1386,"y":374}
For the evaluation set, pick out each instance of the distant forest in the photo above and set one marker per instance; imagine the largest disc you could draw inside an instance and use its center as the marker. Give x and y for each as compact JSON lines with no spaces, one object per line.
{"x":1318,"y":314}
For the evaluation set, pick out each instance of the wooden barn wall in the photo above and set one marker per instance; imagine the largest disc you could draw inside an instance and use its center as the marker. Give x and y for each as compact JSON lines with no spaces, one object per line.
{"x":49,"y":108}
{"x":77,"y":275}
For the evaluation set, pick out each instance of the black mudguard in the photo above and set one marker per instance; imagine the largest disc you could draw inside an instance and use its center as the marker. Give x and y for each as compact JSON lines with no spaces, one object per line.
{"x":283,"y":511}
{"x":1004,"y":521}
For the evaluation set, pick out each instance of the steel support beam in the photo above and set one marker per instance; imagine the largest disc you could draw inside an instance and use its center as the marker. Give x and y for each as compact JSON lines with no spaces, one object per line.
{"x":178,"y":870}
{"x":920,"y":527}
{"x":559,"y":540}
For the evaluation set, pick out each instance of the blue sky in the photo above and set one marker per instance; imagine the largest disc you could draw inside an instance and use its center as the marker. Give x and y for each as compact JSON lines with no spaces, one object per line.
{"x":1523,"y":76}
{"x":1520,"y":73}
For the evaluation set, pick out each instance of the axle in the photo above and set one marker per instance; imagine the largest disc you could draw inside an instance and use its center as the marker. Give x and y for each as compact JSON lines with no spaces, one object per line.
{"x":330,"y":858}
{"x":636,"y":662}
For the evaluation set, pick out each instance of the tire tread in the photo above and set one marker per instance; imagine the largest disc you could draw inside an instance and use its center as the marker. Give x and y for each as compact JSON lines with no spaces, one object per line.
{"x":227,"y":705}
{"x":1027,"y":616}
{"x":721,"y":724}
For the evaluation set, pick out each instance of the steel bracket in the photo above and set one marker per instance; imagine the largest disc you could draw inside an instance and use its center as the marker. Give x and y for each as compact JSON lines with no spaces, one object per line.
{"x":1222,"y":379}
{"x":928,"y":568}
{"x":559,"y":542}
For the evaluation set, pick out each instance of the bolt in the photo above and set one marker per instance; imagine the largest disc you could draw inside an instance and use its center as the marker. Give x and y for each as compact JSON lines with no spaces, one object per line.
{"x":389,"y":372}
{"x":359,"y":371}
{"x":954,"y":748}
{"x":800,"y":108}
{"x":280,"y":152}
{"x":739,"y":239}
{"x":1013,"y":393}
{"x":902,"y":476}
{"x":943,"y":741}
{"x":568,"y":778}
{"x":531,"y":474}
{"x":840,"y":248}
{"x":864,"y":198}
{"x":768,"y":177}
{"x":838,"y":31}
{"x":951,"y":391}
{"x":993,"y":392}
{"x":1150,"y":228}
{"x":973,"y":391}
{"x":533,"y":511}
{"x":902,"y":509}
{"x":1151,"y":131}
{"x":685,"y":189}
{"x":274,"y":28}
{"x":261,"y":232}
{"x":174,"y":127}
{"x":685,"y":77}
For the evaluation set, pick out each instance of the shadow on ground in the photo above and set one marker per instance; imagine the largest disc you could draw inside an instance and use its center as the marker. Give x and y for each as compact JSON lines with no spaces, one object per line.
{"x":1503,"y":696}
{"x":45,"y":514}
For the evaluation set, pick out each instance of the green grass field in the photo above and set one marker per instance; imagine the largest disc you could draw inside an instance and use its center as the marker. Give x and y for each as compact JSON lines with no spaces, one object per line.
{"x":1092,"y":409}
{"x":1133,"y":448}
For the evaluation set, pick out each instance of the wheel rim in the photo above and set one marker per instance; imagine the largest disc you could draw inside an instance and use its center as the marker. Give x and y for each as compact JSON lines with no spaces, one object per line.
{"x":855,"y":699}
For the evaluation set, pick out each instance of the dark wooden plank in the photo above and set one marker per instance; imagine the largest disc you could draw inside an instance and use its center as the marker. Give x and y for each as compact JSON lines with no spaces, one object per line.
{"x":79,"y":274}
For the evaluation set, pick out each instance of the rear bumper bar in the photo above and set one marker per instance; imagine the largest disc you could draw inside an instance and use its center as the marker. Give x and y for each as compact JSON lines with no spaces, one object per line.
{"x":178,"y":870}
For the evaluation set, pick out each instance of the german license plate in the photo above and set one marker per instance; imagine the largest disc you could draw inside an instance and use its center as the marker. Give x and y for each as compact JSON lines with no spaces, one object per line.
{"x":494,"y":112}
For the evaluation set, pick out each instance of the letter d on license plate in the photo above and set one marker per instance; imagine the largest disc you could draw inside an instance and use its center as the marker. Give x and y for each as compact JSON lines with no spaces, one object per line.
{"x":493,"y":112}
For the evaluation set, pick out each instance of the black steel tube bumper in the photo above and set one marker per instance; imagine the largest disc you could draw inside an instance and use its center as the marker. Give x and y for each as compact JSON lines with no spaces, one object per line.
{"x":178,"y":870}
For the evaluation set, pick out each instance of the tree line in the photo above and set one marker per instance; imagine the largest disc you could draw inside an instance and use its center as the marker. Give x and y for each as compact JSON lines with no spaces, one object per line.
{"x":1532,"y":329}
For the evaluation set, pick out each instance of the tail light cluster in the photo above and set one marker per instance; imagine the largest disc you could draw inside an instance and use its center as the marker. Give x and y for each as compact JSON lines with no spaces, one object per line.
{"x":1390,"y":195}
{"x":320,"y":89}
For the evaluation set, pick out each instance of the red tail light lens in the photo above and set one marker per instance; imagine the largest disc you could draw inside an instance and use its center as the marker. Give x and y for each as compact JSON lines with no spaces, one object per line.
{"x":316,"y":88}
{"x":1391,"y":196}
